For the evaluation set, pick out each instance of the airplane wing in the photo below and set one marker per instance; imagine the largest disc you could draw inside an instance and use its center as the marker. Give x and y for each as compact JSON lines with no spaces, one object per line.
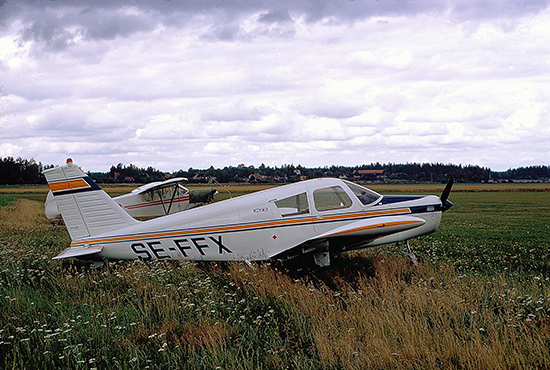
{"x":78,"y":251}
{"x":373,"y":227}
{"x":352,"y":235}
{"x":157,"y":185}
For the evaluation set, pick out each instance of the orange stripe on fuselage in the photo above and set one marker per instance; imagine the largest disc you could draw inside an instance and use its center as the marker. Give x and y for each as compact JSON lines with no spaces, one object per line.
{"x":243,"y":227}
{"x":68,"y":185}
{"x":377,"y":226}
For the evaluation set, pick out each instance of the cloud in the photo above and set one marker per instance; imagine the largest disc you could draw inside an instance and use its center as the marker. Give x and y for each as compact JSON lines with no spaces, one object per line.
{"x":237,"y":111}
{"x":187,"y":83}
{"x":61,"y":24}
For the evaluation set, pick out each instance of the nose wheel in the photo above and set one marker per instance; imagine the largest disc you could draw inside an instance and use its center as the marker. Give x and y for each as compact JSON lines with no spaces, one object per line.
{"x":406,"y":250}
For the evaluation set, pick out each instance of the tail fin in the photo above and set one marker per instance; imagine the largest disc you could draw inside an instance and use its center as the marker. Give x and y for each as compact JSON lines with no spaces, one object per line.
{"x":86,"y":209}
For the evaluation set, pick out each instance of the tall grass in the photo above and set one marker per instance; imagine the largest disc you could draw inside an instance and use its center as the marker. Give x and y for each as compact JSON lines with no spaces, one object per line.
{"x":6,"y":199}
{"x":494,"y":232}
{"x":409,"y":317}
{"x":370,"y":309}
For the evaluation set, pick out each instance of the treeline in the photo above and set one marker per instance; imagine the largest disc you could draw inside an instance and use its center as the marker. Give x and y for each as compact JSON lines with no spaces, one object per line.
{"x":525,"y":173}
{"x":122,"y":174}
{"x":22,"y":171}
{"x":391,"y":172}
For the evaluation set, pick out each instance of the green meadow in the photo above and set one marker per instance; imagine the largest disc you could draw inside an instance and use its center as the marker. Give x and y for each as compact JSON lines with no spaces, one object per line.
{"x":480,"y":299}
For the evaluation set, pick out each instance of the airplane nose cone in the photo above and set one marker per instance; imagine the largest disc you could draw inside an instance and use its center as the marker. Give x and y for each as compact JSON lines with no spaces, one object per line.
{"x":448,"y":204}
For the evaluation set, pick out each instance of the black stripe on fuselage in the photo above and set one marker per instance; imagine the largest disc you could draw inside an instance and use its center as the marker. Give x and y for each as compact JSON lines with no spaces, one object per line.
{"x":389,"y":199}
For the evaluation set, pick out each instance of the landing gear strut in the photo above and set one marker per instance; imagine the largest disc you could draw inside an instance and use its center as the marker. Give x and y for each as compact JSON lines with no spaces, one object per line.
{"x":407,"y":252}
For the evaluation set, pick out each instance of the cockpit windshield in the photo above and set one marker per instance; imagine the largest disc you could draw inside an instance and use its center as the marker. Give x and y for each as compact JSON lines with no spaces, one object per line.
{"x":366,"y":196}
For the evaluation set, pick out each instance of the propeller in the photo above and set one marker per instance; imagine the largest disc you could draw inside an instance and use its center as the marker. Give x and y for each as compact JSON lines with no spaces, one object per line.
{"x":446,"y":204}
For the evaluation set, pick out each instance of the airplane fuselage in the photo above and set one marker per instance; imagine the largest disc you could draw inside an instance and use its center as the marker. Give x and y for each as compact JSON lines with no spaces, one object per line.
{"x":260,"y":225}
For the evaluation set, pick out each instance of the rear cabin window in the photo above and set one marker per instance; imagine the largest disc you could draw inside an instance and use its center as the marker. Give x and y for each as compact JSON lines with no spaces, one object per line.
{"x":331,"y":198}
{"x":294,"y":205}
{"x":158,"y":194}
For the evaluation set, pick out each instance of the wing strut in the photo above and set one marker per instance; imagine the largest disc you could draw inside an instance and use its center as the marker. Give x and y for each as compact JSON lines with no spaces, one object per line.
{"x":171,"y":199}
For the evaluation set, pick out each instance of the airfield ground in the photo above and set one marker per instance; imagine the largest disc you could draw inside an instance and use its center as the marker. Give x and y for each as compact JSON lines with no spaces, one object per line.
{"x":480,"y":300}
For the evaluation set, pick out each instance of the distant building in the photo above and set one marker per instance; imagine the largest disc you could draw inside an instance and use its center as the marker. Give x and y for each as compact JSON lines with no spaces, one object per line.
{"x":259,"y":178}
{"x":199,"y":177}
{"x":368,"y":174}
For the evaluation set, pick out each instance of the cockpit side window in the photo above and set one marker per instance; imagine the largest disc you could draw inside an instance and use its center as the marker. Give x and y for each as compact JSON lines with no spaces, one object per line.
{"x":148,"y":196}
{"x":331,"y":198}
{"x":182,"y":190}
{"x":366,"y":196}
{"x":294,"y":205}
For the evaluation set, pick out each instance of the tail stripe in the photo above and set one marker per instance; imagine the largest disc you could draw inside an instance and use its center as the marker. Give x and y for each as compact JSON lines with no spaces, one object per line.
{"x":73,"y":186}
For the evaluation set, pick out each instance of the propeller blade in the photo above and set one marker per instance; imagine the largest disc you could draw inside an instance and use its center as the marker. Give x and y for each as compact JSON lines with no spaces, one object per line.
{"x":446,"y":204}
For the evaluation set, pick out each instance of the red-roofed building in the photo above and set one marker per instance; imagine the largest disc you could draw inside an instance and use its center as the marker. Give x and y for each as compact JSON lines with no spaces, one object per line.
{"x":368,"y":174}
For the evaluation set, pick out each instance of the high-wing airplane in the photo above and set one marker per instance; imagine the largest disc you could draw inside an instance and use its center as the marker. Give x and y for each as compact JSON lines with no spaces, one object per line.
{"x":151,"y":200}
{"x":313,"y":217}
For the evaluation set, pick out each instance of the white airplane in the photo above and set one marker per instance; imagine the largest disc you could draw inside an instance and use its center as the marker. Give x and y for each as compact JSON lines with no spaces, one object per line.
{"x":314,"y":217}
{"x":151,"y":200}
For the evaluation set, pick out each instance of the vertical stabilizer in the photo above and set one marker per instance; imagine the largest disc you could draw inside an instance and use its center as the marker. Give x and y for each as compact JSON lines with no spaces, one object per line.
{"x":86,"y":209}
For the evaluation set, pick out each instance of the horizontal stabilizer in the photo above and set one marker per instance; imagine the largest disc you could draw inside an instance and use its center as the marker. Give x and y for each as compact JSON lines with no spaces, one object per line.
{"x":80,"y":251}
{"x":374,"y":227}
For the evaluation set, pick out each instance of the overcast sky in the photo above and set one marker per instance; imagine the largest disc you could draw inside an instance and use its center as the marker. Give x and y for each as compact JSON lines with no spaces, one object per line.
{"x":178,"y":84}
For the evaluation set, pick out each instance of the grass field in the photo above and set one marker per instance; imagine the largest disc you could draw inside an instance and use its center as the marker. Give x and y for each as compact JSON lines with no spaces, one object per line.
{"x":480,"y":300}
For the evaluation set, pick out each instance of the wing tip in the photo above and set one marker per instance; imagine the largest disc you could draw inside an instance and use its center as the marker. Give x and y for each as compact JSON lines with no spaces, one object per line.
{"x":80,"y":251}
